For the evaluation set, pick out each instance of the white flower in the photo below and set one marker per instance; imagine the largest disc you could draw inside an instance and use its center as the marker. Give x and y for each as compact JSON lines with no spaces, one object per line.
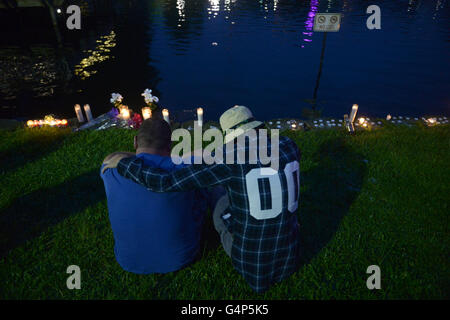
{"x":116,"y":97}
{"x":148,"y":97}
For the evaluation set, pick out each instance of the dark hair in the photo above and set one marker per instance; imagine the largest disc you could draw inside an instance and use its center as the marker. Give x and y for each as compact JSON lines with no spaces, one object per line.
{"x":154,"y":133}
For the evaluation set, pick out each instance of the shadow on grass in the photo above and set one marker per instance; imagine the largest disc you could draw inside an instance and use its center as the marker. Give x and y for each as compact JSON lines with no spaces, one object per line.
{"x":31,"y":148}
{"x":328,"y":190}
{"x":32,"y":214}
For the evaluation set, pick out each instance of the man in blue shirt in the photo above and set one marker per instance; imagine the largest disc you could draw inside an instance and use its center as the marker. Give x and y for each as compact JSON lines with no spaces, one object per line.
{"x":153,"y":232}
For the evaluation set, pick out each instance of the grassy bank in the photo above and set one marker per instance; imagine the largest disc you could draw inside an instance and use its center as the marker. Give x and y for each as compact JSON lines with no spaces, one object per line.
{"x":379,"y":197}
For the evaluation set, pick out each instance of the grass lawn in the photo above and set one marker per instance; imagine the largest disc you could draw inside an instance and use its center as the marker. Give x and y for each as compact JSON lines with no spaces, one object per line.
{"x":377,"y":198}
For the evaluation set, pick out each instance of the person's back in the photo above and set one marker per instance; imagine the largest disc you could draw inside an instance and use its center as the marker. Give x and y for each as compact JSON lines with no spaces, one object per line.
{"x":153,"y":232}
{"x":262,"y":199}
{"x":263,"y":205}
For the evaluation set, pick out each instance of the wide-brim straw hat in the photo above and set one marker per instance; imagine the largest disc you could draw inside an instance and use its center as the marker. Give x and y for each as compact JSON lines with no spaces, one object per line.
{"x":236,"y":121}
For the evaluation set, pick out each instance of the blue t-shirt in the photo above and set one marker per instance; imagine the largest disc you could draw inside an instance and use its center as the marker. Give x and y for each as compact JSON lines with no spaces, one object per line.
{"x":153,"y":232}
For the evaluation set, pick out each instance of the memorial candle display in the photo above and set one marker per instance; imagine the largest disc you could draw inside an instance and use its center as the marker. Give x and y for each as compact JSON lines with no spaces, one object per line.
{"x":200,"y":116}
{"x":79,"y":113}
{"x":49,"y":121}
{"x":353,"y":113}
{"x":87,"y":109}
{"x":165,"y":114}
{"x":125,"y":113}
{"x":146,"y":113}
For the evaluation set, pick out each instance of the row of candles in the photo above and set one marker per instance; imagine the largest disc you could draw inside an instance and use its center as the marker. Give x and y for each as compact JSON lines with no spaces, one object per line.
{"x":79,"y":113}
{"x":125,"y":113}
{"x":147,"y":113}
{"x":349,"y":121}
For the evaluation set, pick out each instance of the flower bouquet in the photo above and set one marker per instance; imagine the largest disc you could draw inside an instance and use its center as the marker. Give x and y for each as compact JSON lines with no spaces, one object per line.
{"x":150,"y":100}
{"x":136,"y":121}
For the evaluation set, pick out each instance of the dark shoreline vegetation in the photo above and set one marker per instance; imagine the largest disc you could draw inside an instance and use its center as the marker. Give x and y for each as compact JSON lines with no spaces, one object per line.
{"x":377,"y":197}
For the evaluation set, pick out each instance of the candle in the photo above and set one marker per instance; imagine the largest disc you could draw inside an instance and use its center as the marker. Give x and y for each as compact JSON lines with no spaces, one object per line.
{"x":353,"y":113}
{"x":30,"y":123}
{"x":350,"y":127}
{"x":345,"y":118}
{"x":87,"y":109}
{"x":146,"y":113}
{"x":200,"y":116}
{"x":165,"y":114}
{"x":125,"y":113}
{"x":79,"y":113}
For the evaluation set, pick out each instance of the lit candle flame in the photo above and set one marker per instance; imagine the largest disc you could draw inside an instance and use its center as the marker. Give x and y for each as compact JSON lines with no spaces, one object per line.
{"x":146,"y":113}
{"x":49,"y":121}
{"x":165,"y":114}
{"x":125,"y":113}
{"x":200,"y":116}
{"x":87,"y":110}
{"x":79,"y":113}
{"x":353,"y":113}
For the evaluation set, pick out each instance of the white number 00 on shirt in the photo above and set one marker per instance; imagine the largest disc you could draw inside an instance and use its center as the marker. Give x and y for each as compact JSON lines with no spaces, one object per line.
{"x":291,"y":170}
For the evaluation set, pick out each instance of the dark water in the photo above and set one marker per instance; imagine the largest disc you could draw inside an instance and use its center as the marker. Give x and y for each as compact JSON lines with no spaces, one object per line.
{"x":218,"y":53}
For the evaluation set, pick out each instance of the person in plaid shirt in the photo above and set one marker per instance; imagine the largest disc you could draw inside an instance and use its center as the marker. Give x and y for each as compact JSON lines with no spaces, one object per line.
{"x":257,"y":219}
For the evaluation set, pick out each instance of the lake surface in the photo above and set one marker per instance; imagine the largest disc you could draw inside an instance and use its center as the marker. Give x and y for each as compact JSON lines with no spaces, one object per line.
{"x":218,"y":53}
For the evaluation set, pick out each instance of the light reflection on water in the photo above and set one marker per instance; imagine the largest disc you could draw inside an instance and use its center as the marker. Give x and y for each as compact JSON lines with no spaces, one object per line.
{"x":101,"y":53}
{"x":265,"y":54}
{"x":309,"y":24}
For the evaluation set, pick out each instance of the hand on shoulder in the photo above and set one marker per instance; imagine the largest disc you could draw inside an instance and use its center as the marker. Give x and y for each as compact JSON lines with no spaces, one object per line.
{"x":113,"y":159}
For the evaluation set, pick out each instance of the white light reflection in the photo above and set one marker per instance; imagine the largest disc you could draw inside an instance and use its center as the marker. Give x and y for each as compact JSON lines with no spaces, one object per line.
{"x":227,"y":5}
{"x":439,"y":5}
{"x":413,"y":5}
{"x":214,"y":7}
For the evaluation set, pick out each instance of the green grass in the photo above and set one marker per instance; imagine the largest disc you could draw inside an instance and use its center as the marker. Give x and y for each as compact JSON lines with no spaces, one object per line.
{"x":380,"y":197}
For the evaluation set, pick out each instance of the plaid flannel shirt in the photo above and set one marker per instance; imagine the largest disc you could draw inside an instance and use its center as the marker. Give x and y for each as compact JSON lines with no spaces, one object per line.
{"x":264,"y":251}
